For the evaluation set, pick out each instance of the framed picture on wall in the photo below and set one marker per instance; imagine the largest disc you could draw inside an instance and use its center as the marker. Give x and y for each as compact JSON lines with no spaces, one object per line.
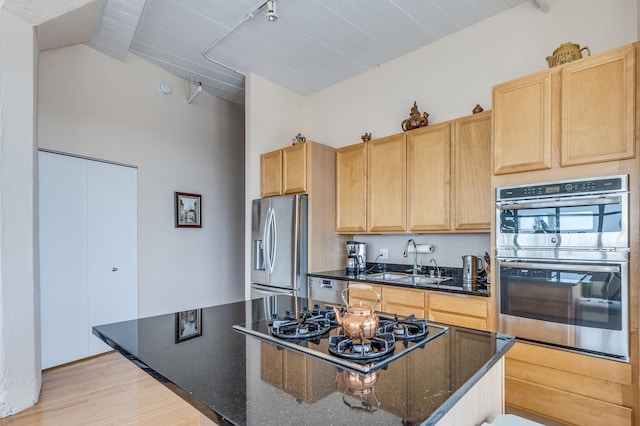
{"x":188,"y":210}
{"x":188,"y":324}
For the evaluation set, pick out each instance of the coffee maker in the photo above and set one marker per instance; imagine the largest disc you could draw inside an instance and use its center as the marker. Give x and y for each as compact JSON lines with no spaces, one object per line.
{"x":356,"y":257}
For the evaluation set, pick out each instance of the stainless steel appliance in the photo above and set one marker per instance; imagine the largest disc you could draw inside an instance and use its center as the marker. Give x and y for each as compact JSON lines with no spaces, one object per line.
{"x":313,"y":330}
{"x":356,"y":257}
{"x":326,"y":290}
{"x":279,"y":246}
{"x":562,"y":272}
{"x":470,"y":268}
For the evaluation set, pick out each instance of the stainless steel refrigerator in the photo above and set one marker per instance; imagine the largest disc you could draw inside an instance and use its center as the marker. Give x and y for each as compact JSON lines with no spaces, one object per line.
{"x":279,"y":246}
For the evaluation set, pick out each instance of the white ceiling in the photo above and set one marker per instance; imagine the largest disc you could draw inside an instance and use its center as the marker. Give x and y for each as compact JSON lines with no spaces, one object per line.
{"x":313,"y":45}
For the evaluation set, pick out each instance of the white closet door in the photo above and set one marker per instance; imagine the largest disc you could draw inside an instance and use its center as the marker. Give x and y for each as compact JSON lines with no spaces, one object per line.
{"x":112,"y":245}
{"x":63,"y":258}
{"x":88,"y":253}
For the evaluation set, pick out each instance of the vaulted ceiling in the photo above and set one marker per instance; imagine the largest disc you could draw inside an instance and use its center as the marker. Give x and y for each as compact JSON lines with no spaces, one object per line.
{"x":313,"y":44}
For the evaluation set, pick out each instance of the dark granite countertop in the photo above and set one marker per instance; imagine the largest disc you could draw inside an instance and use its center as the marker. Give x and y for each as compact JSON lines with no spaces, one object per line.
{"x":453,"y":285}
{"x":238,"y":379}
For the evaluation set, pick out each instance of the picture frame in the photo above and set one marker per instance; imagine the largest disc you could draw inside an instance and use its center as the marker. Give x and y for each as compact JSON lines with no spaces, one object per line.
{"x":188,"y":210}
{"x":188,"y":324}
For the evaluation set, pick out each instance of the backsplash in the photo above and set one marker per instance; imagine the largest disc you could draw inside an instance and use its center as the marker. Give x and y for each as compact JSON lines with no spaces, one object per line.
{"x":448,"y":249}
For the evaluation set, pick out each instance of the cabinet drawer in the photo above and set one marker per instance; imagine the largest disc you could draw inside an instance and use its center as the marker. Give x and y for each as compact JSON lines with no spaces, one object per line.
{"x":459,"y":320}
{"x":458,"y":304}
{"x":357,"y":294}
{"x":402,"y":310}
{"x":401,"y":296}
{"x":564,"y":406}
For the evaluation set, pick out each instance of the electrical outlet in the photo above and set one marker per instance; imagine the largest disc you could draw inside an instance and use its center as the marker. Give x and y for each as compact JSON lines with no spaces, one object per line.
{"x":384,"y":253}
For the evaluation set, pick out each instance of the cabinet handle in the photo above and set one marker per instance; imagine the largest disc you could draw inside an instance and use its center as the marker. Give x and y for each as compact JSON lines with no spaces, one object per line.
{"x":114,"y":269}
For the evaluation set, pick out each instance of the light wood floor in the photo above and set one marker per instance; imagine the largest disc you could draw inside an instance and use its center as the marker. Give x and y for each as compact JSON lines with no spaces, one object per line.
{"x":104,"y":390}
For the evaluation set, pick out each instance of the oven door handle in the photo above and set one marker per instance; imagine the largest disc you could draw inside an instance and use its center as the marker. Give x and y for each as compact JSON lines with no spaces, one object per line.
{"x":560,"y":267}
{"x":562,"y":203}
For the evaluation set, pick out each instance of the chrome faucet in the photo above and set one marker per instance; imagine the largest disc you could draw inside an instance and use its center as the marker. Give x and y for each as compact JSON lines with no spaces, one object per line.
{"x":437,"y":267}
{"x":415,"y":254}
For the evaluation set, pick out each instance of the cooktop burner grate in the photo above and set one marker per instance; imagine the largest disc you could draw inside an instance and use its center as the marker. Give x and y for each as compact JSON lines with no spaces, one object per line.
{"x":404,"y":328}
{"x":362,"y":349}
{"x":307,"y":324}
{"x":314,"y":330}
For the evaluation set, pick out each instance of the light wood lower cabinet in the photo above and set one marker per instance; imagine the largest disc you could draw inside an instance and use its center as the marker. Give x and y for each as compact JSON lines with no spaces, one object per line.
{"x":367,"y":296}
{"x":295,"y":373}
{"x":447,"y":308}
{"x":403,"y":301}
{"x":568,"y":387}
{"x":458,"y":309}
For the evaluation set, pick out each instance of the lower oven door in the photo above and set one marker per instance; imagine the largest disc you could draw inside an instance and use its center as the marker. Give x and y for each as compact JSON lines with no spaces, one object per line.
{"x":578,"y":305}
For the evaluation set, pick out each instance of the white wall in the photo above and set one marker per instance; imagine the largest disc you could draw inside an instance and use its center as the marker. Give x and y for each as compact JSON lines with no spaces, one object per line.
{"x":20,"y":377}
{"x":93,"y":105}
{"x":448,"y":248}
{"x":447,"y":79}
{"x":273,"y":117}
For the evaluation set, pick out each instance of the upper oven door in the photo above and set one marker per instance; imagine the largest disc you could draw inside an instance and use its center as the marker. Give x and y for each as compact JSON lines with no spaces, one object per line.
{"x":575,"y":222}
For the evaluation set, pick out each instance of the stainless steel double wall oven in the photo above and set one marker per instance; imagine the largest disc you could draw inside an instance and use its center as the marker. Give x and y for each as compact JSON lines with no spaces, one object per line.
{"x":562,"y":272}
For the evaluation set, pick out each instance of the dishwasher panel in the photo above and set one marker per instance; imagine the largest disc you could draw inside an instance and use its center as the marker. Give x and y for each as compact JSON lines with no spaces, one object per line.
{"x":326,"y":290}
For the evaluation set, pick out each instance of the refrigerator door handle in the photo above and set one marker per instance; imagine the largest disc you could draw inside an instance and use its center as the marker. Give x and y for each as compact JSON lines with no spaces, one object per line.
{"x":274,"y":239}
{"x":266,"y":242}
{"x":269,"y":241}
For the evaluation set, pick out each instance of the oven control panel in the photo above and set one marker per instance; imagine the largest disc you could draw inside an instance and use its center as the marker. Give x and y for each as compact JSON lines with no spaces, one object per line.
{"x":552,"y":189}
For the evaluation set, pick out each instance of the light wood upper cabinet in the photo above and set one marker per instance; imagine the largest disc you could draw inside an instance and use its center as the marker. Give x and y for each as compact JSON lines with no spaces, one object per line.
{"x":428,"y":178}
{"x":598,"y":114}
{"x":449,"y":176}
{"x":387,"y":184}
{"x":308,"y":168}
{"x":294,"y":169}
{"x":578,"y":113}
{"x":472,"y":198}
{"x":522,"y":124}
{"x":351,"y":188}
{"x":271,"y":174}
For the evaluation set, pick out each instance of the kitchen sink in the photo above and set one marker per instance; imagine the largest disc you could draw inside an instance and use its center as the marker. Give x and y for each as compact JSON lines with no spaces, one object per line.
{"x":387,"y":276}
{"x":420,"y":280}
{"x":396,"y":277}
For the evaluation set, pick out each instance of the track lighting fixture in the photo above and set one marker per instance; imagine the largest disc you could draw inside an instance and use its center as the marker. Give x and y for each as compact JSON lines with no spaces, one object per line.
{"x":271,"y":11}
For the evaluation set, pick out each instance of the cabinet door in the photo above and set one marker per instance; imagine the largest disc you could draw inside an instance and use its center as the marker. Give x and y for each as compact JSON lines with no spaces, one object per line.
{"x":403,"y":301}
{"x":472,"y":195}
{"x":598,"y":108}
{"x":428,"y":178}
{"x":522,"y":124}
{"x":367,"y":296}
{"x":387,"y":184}
{"x":294,"y":169}
{"x":271,"y":174}
{"x":351,"y":188}
{"x":458,"y":309}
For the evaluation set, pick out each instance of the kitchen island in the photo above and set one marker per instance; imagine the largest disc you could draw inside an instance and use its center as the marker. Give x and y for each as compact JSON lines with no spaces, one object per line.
{"x":235,"y":378}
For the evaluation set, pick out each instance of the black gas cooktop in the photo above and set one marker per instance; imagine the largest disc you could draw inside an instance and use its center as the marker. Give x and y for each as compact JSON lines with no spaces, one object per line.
{"x":315,"y":331}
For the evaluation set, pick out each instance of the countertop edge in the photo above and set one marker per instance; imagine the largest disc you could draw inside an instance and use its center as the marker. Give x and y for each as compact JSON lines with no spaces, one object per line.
{"x":439,"y":413}
{"x":342,"y":276}
{"x":173,"y":387}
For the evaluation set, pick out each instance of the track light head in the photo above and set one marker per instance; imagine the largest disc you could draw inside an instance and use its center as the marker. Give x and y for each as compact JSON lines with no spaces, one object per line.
{"x":271,"y":11}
